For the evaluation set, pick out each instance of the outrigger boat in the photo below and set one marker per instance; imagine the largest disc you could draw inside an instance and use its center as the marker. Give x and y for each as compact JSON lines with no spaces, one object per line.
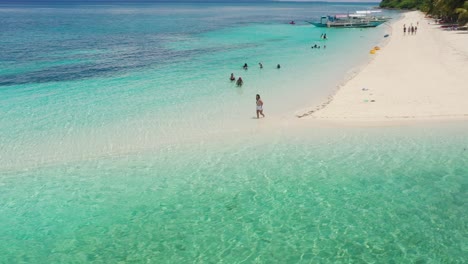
{"x":361,"y":19}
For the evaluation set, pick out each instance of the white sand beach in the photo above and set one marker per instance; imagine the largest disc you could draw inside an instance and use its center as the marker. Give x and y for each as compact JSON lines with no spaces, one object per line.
{"x":416,"y":77}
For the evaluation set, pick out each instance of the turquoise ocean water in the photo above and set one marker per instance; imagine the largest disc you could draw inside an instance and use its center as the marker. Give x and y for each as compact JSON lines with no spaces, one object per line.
{"x":122,"y":140}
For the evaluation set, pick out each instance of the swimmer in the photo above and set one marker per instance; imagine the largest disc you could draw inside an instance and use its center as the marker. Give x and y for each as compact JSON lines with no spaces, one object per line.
{"x":245,"y":66}
{"x":239,"y":82}
{"x":260,"y":65}
{"x":278,"y":66}
{"x":232,"y":78}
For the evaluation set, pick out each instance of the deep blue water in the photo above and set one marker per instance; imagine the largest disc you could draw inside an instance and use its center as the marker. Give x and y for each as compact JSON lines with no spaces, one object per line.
{"x":50,"y":43}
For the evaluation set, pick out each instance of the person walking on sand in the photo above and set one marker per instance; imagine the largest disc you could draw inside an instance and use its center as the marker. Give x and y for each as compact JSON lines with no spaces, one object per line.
{"x":259,"y":106}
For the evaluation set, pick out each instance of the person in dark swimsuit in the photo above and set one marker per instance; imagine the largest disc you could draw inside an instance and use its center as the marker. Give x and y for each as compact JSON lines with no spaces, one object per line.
{"x":239,"y":82}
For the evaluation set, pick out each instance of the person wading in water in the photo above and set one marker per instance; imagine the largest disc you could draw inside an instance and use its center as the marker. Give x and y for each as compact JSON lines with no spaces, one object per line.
{"x":259,"y":106}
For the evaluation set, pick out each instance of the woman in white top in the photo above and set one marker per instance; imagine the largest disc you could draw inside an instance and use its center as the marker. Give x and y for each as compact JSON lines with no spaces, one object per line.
{"x":259,"y":106}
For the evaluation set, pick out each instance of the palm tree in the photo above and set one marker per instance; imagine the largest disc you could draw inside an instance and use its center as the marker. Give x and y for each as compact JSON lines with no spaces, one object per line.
{"x":462,"y":13}
{"x":446,"y":9}
{"x":449,"y":10}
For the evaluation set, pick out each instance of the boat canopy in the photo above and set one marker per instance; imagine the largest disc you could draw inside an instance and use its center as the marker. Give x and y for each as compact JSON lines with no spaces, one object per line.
{"x":368,"y":11}
{"x":341,"y":16}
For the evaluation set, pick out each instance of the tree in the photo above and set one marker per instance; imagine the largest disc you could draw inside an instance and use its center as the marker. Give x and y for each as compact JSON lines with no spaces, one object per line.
{"x":449,"y":10}
{"x":462,"y":13}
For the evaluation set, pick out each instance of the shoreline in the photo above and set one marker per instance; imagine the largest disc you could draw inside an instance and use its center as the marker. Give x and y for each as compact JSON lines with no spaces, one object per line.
{"x":395,"y":84}
{"x":351,"y":74}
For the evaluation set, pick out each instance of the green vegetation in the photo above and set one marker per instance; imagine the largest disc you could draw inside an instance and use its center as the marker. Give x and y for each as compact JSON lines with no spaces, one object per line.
{"x":402,"y":4}
{"x":462,"y":13}
{"x":448,"y":10}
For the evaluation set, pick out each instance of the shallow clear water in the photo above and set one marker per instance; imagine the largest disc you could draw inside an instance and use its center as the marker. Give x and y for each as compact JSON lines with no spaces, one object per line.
{"x":394,"y":195}
{"x":123,"y":141}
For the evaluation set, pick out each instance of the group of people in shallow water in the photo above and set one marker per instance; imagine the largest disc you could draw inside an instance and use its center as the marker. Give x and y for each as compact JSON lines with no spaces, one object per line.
{"x":239,"y":81}
{"x":322,"y":36}
{"x":411,"y":29}
{"x":318,"y":46}
{"x":259,"y":102}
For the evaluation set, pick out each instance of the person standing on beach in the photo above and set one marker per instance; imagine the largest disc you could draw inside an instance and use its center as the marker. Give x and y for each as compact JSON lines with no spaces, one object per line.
{"x":259,"y":106}
{"x":404,"y":29}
